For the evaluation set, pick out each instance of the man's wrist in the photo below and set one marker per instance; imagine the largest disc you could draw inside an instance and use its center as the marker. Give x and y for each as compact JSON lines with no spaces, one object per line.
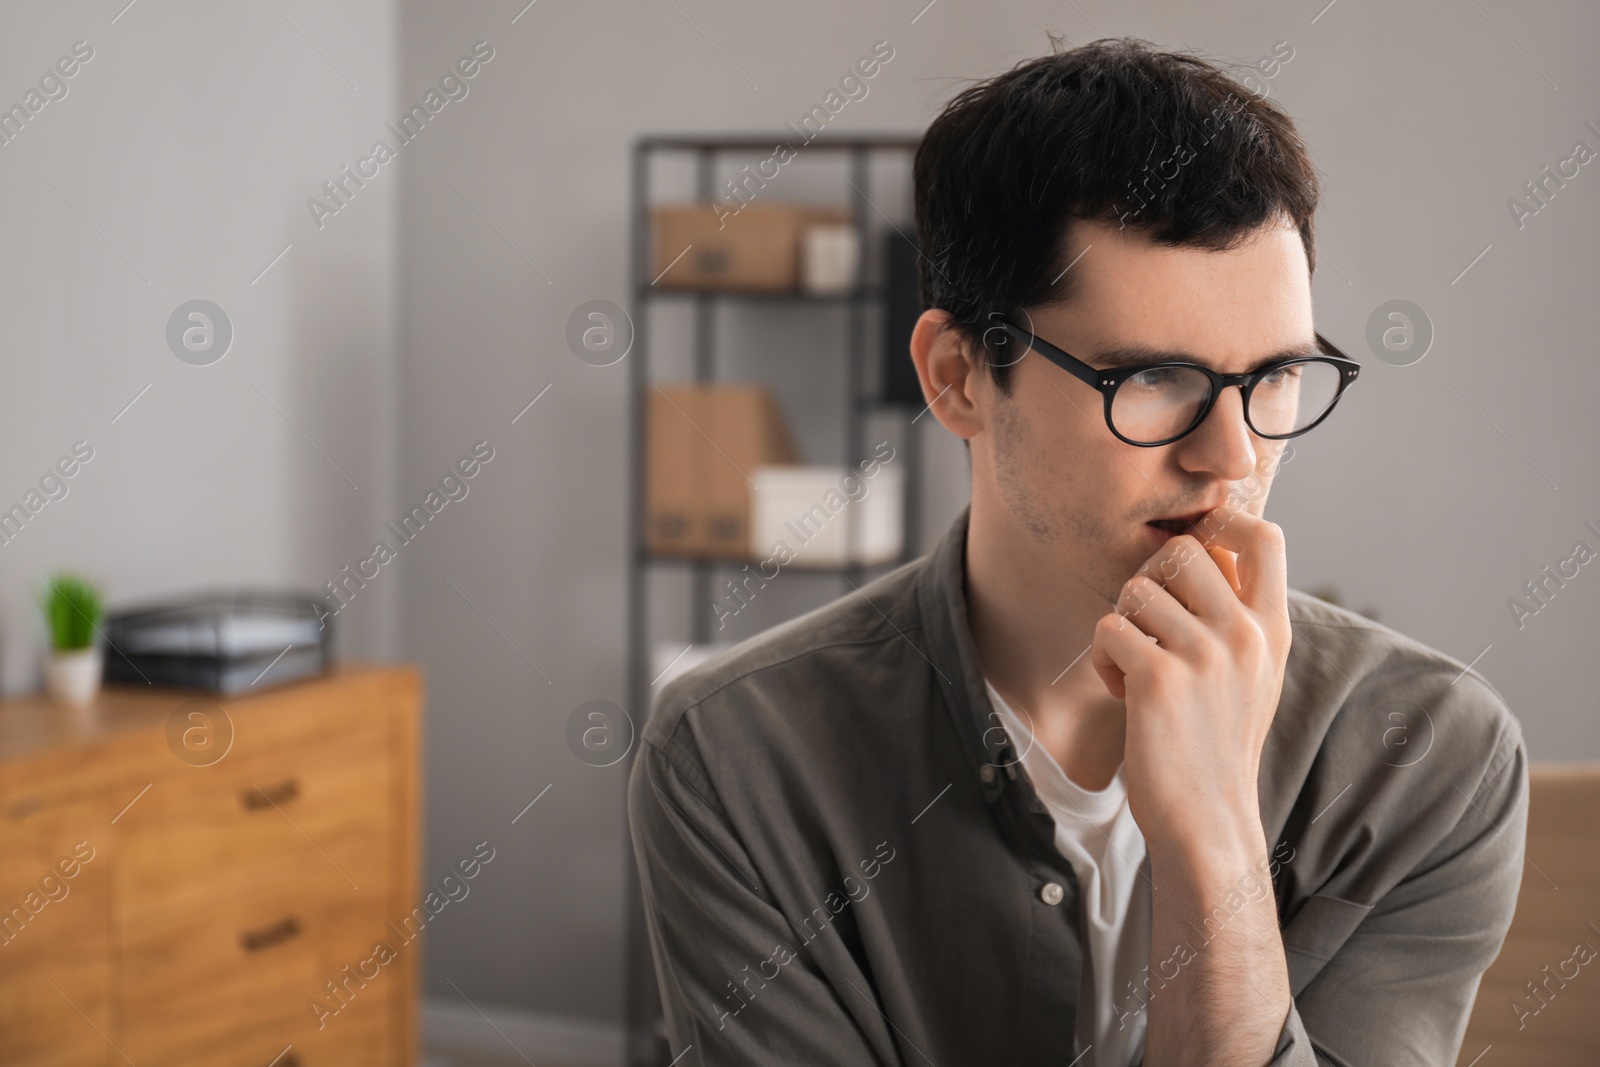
{"x":1220,"y":854}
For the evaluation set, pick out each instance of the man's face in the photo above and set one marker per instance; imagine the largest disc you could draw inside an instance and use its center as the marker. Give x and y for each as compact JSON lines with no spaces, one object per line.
{"x":1082,"y":495}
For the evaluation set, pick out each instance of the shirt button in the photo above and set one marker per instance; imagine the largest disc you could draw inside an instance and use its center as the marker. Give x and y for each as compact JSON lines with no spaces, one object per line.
{"x":1051,"y":894}
{"x":986,"y":773}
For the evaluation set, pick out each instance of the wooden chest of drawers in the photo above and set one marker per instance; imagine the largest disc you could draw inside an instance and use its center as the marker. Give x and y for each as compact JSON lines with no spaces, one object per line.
{"x":212,"y":882}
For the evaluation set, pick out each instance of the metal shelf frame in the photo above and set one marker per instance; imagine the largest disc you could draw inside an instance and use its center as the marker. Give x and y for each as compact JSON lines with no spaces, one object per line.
{"x":646,"y":1034}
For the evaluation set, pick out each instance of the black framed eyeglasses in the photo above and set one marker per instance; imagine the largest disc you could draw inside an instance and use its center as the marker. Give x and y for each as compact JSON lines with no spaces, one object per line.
{"x":1158,"y":403}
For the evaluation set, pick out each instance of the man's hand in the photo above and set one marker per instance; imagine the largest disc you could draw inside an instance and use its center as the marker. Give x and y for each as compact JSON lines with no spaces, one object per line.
{"x":1201,"y":695}
{"x":1200,"y":699}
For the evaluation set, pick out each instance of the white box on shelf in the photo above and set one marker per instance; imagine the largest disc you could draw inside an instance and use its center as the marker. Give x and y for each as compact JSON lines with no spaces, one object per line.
{"x":827,"y":516}
{"x":830,"y":256}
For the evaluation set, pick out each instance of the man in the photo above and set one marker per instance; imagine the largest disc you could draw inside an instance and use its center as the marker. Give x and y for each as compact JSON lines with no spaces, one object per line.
{"x":1089,"y":783}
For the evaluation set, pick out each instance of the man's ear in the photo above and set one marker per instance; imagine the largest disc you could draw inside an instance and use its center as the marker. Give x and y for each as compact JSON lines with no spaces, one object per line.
{"x":950,"y":376}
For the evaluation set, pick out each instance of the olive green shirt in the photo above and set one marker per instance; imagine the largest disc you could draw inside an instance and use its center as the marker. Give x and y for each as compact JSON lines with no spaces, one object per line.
{"x":842,"y":862}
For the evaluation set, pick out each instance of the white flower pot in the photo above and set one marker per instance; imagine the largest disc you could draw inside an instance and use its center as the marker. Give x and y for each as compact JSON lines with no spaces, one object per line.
{"x":73,"y":678}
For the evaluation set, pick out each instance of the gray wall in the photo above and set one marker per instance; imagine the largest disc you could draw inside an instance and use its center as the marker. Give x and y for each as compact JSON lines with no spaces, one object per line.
{"x":176,"y":167}
{"x":430,"y":311}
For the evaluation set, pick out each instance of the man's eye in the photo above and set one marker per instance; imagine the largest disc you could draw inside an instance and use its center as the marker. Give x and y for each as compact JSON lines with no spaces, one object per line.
{"x":1282,"y":375}
{"x":1152,"y":379}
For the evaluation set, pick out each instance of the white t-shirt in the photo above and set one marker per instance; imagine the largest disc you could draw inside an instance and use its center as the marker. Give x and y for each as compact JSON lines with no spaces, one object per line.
{"x":1097,"y":834}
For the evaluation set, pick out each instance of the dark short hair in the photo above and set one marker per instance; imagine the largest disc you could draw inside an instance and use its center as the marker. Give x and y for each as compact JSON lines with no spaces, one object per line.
{"x":1169,"y":143}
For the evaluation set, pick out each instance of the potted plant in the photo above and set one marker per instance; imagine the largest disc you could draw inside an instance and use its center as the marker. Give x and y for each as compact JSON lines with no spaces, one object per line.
{"x":72,"y":611}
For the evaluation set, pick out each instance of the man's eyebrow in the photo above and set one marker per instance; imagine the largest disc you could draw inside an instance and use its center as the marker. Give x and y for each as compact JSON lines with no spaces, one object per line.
{"x":1120,"y":356}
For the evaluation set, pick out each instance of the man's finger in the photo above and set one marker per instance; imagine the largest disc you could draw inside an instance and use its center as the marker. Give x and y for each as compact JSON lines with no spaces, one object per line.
{"x":1159,"y":614}
{"x":1183,"y":567}
{"x":1226,"y":563}
{"x":1261,"y":564}
{"x":1119,"y":647}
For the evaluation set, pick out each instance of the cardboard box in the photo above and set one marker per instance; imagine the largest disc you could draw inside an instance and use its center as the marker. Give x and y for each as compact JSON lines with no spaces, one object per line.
{"x":702,"y":444}
{"x":756,"y":247}
{"x":829,"y":516}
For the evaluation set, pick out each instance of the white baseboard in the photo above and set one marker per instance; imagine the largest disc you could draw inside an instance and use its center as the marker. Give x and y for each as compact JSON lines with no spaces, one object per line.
{"x":448,"y":1023}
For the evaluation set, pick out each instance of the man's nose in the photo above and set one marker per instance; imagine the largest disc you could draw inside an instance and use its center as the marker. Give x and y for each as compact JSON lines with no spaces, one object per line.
{"x":1223,"y":444}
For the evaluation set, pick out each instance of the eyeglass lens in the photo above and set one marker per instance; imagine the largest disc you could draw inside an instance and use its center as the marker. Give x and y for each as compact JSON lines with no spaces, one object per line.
{"x":1162,"y":402}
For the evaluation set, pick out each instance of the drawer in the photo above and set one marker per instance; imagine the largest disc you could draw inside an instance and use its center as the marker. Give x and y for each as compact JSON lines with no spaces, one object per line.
{"x":249,"y":963}
{"x":317,"y":815}
{"x":360,"y":1038}
{"x":55,"y":945}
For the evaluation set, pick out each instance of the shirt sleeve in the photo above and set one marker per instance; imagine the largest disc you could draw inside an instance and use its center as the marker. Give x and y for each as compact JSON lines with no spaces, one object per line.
{"x":737,"y":986}
{"x":1400,"y":989}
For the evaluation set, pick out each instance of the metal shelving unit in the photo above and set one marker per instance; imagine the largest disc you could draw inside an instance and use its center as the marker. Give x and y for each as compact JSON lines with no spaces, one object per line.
{"x":647,"y":1046}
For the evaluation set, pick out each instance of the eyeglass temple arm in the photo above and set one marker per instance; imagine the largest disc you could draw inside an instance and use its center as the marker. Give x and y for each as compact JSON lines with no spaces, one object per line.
{"x":1331,"y":348}
{"x":1077,"y":368}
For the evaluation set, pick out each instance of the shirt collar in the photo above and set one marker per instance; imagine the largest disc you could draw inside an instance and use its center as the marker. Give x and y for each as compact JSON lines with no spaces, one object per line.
{"x":958,"y":673}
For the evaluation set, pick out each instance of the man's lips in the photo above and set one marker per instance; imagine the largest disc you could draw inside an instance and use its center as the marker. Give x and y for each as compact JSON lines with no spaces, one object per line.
{"x":1178,"y":524}
{"x":1174,"y":522}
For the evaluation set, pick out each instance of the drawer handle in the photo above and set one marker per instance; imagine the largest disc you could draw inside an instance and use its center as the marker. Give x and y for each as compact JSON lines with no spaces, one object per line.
{"x":267,"y":936}
{"x":255,"y":798}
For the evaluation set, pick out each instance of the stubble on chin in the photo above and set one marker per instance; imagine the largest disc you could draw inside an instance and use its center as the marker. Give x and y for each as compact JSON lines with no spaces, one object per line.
{"x":1042,"y":495}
